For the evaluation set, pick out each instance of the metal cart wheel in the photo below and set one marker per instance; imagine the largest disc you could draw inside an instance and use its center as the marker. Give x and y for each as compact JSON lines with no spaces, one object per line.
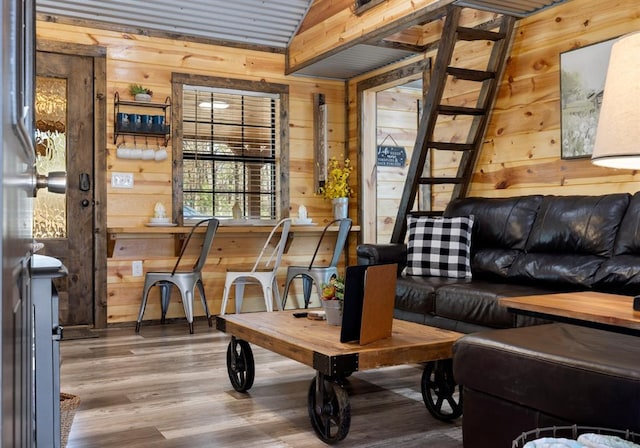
{"x":438,"y":390}
{"x":329,"y":409}
{"x":240,"y":365}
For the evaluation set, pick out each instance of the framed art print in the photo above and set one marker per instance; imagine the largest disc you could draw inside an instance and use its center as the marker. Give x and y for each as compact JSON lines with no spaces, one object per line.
{"x":582,"y":76}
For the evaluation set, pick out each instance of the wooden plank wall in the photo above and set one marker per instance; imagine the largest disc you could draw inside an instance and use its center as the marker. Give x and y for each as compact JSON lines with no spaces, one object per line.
{"x":522,"y":150}
{"x":397,"y":125}
{"x":521,"y":154}
{"x":150,"y":61}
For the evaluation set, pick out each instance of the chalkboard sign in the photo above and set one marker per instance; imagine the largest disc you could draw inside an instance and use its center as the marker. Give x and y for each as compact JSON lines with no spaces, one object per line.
{"x":395,"y":156}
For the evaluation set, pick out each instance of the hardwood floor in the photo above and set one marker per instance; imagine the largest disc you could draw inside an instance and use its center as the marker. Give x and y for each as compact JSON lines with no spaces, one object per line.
{"x":166,"y":388}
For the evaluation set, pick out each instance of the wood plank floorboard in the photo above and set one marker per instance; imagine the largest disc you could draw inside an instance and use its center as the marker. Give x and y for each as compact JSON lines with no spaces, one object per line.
{"x":166,"y":388}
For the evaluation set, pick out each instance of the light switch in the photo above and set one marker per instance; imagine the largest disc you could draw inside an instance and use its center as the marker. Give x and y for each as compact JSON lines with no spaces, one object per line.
{"x":136,"y":269}
{"x":122,"y":180}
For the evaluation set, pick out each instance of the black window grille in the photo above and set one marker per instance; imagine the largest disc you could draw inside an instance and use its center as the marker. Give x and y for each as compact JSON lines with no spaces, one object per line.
{"x":229,"y":153}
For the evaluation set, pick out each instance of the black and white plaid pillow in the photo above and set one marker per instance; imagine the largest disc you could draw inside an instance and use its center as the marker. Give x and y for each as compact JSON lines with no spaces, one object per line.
{"x":439,"y":247}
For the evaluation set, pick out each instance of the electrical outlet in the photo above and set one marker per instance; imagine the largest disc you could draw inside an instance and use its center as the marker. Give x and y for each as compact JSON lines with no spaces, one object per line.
{"x":122,"y":180}
{"x":136,"y":268}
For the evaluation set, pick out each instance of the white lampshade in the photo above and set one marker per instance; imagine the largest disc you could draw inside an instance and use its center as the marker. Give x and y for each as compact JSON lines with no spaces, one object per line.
{"x":617,"y":142}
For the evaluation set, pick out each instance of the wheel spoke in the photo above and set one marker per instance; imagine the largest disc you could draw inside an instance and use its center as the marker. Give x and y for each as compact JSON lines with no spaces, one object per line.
{"x":331,"y":418}
{"x":326,"y":422}
{"x":438,"y":388}
{"x":240,"y":365}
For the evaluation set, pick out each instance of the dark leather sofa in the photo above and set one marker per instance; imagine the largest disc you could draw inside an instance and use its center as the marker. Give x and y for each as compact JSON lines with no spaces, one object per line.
{"x":516,"y":374}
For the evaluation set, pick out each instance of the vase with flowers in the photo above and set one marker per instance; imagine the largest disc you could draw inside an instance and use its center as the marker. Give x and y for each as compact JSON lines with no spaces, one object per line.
{"x":332,"y":300}
{"x":337,"y":188}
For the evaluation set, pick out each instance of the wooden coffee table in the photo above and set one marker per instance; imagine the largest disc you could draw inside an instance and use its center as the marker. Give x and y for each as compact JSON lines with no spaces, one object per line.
{"x":317,"y":344}
{"x":589,"y":308}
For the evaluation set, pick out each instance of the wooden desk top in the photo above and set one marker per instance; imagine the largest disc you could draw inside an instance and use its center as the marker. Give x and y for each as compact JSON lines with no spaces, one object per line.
{"x":176,"y":230}
{"x":599,"y":308}
{"x":303,"y":339}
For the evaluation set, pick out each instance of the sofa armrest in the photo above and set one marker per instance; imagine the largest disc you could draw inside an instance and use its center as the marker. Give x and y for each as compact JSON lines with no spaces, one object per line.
{"x":382,"y":253}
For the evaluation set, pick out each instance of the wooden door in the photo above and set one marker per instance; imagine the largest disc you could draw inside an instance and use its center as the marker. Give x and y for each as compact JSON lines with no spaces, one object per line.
{"x":64,"y":118}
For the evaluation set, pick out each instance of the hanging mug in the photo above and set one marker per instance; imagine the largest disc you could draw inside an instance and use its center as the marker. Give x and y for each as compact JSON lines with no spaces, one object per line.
{"x":122,"y":121}
{"x":157,"y":123}
{"x":135,"y":122}
{"x":146,"y":122}
{"x":148,"y":154}
{"x":161,"y":154}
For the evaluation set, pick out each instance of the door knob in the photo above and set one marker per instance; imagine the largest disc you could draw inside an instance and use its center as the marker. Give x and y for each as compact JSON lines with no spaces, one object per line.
{"x":54,"y":182}
{"x":85,"y":203}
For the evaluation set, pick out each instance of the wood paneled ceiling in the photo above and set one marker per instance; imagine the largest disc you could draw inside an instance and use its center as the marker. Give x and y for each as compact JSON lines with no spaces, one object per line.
{"x":411,"y":38}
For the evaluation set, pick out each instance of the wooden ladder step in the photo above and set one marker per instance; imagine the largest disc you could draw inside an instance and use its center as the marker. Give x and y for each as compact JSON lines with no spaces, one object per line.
{"x":440,"y":180}
{"x":449,"y":146}
{"x":469,"y":74}
{"x":459,"y":110}
{"x":478,"y":34}
{"x":420,"y":175}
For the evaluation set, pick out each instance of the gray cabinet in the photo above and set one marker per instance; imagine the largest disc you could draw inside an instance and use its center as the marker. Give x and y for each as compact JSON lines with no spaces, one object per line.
{"x":47,"y":333}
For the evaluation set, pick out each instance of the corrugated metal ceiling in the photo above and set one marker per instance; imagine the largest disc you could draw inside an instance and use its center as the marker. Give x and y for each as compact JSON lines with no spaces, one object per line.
{"x":353,"y":61}
{"x":270,"y":23}
{"x":265,"y":24}
{"x":516,"y":8}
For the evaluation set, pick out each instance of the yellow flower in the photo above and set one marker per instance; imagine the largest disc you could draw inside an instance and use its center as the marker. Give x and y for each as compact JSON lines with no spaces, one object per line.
{"x":334,"y":290}
{"x":337,"y":183}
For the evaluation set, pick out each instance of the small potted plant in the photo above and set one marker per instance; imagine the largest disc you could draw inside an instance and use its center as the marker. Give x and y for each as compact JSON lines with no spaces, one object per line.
{"x":332,"y":300}
{"x":140,"y":93}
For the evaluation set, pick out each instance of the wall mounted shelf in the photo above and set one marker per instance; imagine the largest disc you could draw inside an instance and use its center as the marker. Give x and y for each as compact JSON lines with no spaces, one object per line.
{"x":128,"y":121}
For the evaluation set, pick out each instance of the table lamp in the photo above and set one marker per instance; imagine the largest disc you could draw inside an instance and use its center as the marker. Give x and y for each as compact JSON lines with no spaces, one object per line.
{"x":617,"y":142}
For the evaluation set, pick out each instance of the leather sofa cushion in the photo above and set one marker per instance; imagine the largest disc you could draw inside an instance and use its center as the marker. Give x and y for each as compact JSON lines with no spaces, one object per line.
{"x":583,"y":375}
{"x":564,"y":272}
{"x":621,"y":273}
{"x":577,"y":224}
{"x":493,"y":262}
{"x":628,"y":237}
{"x":416,"y":294}
{"x":500,"y":231}
{"x":570,"y":239}
{"x":477,"y":302}
{"x":502,"y":223}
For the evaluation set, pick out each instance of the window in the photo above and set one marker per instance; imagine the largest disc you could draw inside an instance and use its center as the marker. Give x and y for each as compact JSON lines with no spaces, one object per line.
{"x":231,"y":148}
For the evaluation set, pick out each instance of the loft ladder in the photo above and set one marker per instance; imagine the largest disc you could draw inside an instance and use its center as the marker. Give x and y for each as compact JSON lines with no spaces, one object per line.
{"x":499,"y":32}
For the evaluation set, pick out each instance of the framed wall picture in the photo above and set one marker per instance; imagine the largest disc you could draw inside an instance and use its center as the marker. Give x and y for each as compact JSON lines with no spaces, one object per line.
{"x":582,"y":76}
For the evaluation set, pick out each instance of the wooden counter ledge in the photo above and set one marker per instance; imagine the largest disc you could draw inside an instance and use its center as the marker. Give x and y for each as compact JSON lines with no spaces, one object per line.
{"x":180,"y":232}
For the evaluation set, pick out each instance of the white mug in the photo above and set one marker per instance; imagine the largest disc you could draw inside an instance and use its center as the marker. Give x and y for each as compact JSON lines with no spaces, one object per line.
{"x":123,"y":153}
{"x":161,"y":154}
{"x":148,"y":154}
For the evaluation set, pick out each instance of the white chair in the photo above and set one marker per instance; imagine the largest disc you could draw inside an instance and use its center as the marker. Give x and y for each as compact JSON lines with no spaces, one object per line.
{"x":186,"y":281}
{"x":318,"y":274}
{"x":263,"y":272}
